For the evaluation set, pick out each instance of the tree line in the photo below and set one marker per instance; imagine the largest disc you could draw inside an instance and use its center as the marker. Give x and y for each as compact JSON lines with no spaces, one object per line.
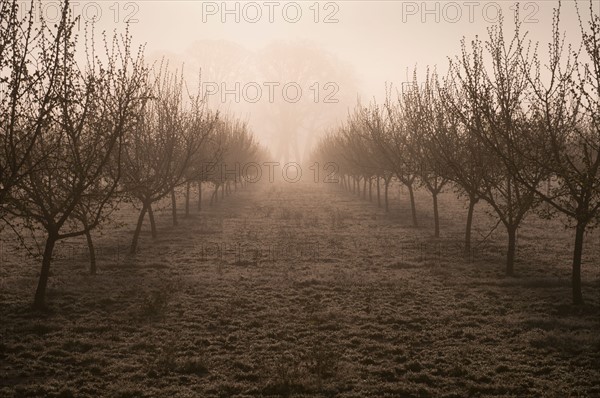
{"x":501,"y":127}
{"x":79,"y":138}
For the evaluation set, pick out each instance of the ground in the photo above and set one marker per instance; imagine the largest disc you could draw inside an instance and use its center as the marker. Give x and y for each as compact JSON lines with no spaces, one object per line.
{"x":305,"y":290}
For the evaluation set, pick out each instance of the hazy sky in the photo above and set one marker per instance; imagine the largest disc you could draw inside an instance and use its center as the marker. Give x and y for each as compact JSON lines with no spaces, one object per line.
{"x":379,"y":38}
{"x":376,"y":40}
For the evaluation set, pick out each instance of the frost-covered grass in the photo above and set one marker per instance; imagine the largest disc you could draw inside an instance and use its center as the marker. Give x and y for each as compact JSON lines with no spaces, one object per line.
{"x":299,"y":290}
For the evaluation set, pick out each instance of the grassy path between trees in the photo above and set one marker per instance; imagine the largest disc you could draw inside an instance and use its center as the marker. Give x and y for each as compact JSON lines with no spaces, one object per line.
{"x":301,"y":290}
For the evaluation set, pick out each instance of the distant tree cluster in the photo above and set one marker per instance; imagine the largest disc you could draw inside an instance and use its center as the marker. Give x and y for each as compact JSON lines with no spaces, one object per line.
{"x":501,"y":127}
{"x":76,"y":140}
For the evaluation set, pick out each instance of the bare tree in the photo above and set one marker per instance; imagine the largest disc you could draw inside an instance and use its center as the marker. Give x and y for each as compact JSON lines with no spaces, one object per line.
{"x":30,"y":55}
{"x":398,"y":150}
{"x":566,"y":140}
{"x":424,"y":118}
{"x":463,"y":153}
{"x":237,"y":147}
{"x":95,"y":109}
{"x":329,"y":153}
{"x":377,"y":128}
{"x":497,"y":99}
{"x":160,"y":150}
{"x":357,"y":158}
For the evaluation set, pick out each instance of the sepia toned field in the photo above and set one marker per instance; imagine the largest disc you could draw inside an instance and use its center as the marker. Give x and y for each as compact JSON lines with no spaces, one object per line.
{"x":304,"y":290}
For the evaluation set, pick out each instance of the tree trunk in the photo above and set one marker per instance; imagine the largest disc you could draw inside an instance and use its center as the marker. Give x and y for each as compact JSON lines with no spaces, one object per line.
{"x":413,"y":206}
{"x":187,"y":198}
{"x":512,"y":249}
{"x":92,"y":250}
{"x":378,"y":193}
{"x":358,"y":187}
{"x":370,"y":189}
{"x":364,"y":192}
{"x":548,"y":184}
{"x":40,"y":293}
{"x":436,"y":215}
{"x":215,"y":195}
{"x":152,"y":222}
{"x":199,"y":195}
{"x":174,"y":206}
{"x":577,"y":254}
{"x":223,"y":191}
{"x":387,"y":203}
{"x":138,"y":228}
{"x":472,"y":203}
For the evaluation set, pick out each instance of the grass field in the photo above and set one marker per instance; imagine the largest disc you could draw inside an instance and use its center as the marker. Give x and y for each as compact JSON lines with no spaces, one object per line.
{"x":303,"y":290}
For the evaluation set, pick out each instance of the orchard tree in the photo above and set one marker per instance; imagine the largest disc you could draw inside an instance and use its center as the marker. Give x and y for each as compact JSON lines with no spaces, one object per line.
{"x":499,"y":97}
{"x":357,"y":158}
{"x":329,"y":152}
{"x":424,"y":118}
{"x":95,"y":108}
{"x":161,"y":148}
{"x":398,"y":146}
{"x":237,"y":148}
{"x":30,"y":56}
{"x":461,"y":150}
{"x":378,"y":134}
{"x":566,"y":141}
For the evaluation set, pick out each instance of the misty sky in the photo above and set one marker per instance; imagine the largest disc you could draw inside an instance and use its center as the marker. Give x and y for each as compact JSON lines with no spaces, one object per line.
{"x":375,"y":41}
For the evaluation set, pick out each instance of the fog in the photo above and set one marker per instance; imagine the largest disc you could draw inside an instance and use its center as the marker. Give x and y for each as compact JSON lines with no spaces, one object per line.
{"x":293,"y":69}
